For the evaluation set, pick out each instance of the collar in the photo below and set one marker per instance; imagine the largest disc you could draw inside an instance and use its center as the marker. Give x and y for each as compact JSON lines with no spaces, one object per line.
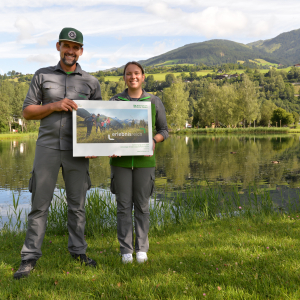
{"x":78,"y":69}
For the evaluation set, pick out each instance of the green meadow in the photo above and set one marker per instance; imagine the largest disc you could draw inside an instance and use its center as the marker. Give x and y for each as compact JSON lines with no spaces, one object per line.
{"x":205,"y":244}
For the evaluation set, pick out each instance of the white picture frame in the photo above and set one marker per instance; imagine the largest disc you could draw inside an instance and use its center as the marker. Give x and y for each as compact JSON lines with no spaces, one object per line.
{"x":126,"y":130}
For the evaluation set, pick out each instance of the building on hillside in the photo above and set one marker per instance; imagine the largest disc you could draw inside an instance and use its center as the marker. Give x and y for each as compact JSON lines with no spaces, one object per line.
{"x":297,"y":65}
{"x":220,"y":71}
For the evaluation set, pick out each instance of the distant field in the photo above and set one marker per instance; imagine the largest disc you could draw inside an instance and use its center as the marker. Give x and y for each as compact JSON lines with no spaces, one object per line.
{"x":259,"y":61}
{"x":161,"y":76}
{"x":112,"y":78}
{"x":171,"y":63}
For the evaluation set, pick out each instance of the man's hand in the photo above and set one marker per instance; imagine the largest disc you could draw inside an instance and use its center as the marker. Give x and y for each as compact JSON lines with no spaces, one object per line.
{"x":91,"y":157}
{"x":38,"y":112}
{"x":64,"y":104}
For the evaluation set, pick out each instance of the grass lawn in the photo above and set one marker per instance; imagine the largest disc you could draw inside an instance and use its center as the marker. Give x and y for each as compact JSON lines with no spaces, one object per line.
{"x":237,"y":258}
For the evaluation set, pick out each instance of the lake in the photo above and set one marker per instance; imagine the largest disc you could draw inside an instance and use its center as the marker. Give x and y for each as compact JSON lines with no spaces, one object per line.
{"x":182,"y":162}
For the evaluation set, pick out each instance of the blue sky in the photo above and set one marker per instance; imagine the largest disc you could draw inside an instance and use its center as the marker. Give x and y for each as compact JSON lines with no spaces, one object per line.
{"x":122,"y":114}
{"x":117,"y":31}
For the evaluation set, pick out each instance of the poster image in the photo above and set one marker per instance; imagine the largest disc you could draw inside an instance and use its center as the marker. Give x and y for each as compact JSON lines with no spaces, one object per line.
{"x":103,"y":128}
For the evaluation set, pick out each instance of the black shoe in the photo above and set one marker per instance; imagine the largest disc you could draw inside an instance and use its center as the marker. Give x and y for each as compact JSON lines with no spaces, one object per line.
{"x":84,"y":259}
{"x":25,"y":268}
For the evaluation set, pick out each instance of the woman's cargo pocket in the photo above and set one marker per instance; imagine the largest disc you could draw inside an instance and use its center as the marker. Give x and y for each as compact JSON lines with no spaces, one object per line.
{"x":152,"y":184}
{"x":30,"y":184}
{"x":112,"y":185}
{"x":89,"y":182}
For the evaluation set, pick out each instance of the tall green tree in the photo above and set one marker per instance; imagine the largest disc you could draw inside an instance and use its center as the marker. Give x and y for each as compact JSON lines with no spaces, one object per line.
{"x":266,"y":112}
{"x":249,"y":109}
{"x":170,"y":78}
{"x":176,"y":104}
{"x":208,"y":105}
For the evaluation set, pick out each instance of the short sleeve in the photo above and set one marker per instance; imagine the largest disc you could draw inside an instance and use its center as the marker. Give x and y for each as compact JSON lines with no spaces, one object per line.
{"x":34,"y":94}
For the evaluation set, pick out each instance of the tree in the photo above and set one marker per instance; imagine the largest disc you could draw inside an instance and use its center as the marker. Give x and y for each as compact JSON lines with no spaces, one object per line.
{"x":170,"y":78}
{"x":248,"y":100}
{"x":280,"y":114}
{"x":101,"y":79}
{"x":296,"y":117}
{"x":120,"y":86}
{"x":207,"y":106}
{"x":5,"y":112}
{"x":266,"y":112}
{"x":150,"y":83}
{"x":176,"y":104}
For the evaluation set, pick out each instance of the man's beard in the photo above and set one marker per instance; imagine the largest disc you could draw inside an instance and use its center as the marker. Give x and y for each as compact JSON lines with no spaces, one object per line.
{"x":68,"y":63}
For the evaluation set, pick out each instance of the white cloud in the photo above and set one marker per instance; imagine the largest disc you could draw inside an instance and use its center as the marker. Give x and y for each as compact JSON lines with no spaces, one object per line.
{"x":43,"y":59}
{"x":212,"y":21}
{"x":25,"y":28}
{"x":159,"y":47}
{"x":34,"y":26}
{"x":44,"y":39}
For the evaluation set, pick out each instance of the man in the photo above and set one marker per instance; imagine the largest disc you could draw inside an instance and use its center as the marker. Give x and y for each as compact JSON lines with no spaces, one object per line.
{"x":89,"y":124}
{"x":49,"y":99}
{"x":98,"y":123}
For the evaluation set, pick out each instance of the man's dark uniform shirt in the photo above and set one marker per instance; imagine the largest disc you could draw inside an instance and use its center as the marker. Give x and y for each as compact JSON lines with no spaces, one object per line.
{"x":52,"y":84}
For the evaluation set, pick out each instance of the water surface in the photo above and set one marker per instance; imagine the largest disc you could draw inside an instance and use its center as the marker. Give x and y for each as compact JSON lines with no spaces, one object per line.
{"x":182,"y":162}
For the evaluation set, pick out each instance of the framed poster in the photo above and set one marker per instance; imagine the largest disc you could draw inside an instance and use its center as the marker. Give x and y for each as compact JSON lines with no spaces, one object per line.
{"x":104,"y":128}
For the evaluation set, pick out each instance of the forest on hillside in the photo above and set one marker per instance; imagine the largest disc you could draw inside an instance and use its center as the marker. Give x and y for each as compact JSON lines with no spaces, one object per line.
{"x":199,"y":100}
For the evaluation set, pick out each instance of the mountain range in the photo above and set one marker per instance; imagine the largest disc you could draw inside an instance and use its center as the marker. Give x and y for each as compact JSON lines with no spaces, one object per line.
{"x":283,"y":49}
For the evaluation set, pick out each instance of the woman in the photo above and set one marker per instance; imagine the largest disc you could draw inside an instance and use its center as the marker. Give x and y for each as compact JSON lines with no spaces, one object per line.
{"x":132,"y":177}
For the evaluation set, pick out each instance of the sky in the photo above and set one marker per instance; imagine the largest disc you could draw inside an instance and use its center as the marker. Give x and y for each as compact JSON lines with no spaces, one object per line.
{"x":118,"y":31}
{"x":122,"y":114}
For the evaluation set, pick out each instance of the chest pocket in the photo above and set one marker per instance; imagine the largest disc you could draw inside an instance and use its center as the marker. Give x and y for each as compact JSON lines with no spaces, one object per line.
{"x":83,"y":91}
{"x":52,"y":92}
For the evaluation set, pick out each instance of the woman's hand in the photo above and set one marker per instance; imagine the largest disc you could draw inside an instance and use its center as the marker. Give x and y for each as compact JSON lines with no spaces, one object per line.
{"x":113,"y":156}
{"x":153,"y":148}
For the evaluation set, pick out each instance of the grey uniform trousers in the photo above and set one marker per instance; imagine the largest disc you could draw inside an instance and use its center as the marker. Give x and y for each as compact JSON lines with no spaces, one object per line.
{"x":132,"y":187}
{"x":47,"y":163}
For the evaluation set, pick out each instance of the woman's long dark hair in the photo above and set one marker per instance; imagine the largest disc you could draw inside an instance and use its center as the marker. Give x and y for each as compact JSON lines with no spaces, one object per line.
{"x":133,"y":63}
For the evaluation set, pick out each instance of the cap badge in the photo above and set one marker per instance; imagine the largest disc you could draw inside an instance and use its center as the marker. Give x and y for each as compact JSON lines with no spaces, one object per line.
{"x":72,"y":35}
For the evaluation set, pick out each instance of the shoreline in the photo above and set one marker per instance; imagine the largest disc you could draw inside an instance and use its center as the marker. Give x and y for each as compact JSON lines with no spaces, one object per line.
{"x":251,"y":130}
{"x":12,"y":136}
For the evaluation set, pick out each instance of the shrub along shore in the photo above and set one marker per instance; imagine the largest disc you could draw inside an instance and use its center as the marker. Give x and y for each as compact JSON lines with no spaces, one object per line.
{"x":204,"y":244}
{"x":248,"y":130}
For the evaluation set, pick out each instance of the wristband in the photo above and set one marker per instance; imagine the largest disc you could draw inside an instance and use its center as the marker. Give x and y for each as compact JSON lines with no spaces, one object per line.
{"x":154,"y":140}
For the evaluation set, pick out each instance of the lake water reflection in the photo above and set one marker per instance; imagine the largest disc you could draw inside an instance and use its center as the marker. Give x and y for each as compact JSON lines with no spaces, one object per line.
{"x":181,"y":162}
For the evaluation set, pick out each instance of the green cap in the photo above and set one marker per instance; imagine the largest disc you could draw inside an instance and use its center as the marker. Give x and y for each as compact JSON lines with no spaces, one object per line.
{"x":72,"y":35}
